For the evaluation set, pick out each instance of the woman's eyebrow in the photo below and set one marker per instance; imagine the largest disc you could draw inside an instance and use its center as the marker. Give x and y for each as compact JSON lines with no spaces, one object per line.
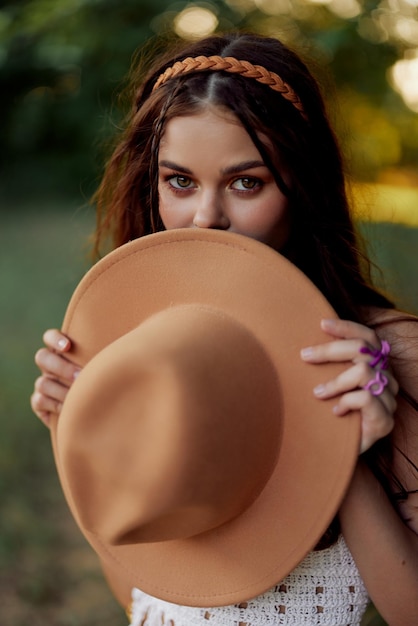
{"x":232,"y":169}
{"x":244,"y":165}
{"x":174,"y":166}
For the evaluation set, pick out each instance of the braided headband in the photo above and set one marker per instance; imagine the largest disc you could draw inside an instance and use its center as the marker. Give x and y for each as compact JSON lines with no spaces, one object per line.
{"x":234,"y":66}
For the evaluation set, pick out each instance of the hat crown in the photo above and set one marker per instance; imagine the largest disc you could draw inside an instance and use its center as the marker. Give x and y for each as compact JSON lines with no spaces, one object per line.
{"x":198,"y":394}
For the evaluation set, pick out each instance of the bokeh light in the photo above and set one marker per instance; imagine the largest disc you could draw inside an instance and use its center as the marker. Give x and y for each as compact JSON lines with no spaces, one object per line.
{"x":195,"y":22}
{"x":346,"y":9}
{"x":404,"y":79}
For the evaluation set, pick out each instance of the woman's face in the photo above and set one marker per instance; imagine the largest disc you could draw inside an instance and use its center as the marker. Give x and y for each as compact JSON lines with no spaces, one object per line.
{"x":211,"y":175}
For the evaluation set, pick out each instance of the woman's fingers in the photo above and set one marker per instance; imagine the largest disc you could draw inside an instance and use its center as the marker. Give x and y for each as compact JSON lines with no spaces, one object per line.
{"x":335,"y":351}
{"x":377,"y":421}
{"x":346,"y":329}
{"x":350,"y":341}
{"x":55,"y":365}
{"x":43,"y":406}
{"x":366,"y":385}
{"x":51,"y":388}
{"x":357,"y":377}
{"x":56,"y":340}
{"x":58,"y":374}
{"x":51,"y":359}
{"x":44,"y":416}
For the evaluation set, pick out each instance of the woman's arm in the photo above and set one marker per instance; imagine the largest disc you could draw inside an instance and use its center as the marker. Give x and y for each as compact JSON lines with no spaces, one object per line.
{"x":384,"y":548}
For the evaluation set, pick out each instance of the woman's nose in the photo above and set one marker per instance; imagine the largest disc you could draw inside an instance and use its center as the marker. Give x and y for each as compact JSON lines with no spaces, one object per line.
{"x":210,"y":213}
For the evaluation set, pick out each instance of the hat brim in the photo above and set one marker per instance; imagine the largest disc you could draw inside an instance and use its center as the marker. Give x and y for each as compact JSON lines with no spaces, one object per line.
{"x":270,"y":296}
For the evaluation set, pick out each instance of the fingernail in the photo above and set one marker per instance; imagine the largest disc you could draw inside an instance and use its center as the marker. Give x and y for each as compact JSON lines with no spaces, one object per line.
{"x":306,"y":353}
{"x":76,"y":373}
{"x":328,"y":323}
{"x":62,"y":343}
{"x":319,"y":390}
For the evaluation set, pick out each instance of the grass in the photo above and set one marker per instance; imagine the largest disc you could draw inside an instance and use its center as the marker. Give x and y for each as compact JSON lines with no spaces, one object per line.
{"x":48,"y":574}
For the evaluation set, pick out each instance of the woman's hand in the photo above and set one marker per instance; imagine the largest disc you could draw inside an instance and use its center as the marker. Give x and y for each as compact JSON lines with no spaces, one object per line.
{"x":353,"y":343}
{"x":58,"y":374}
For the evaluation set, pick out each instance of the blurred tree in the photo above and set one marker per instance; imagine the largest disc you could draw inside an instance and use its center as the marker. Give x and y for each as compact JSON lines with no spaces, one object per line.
{"x":62,"y":62}
{"x":352,"y":46}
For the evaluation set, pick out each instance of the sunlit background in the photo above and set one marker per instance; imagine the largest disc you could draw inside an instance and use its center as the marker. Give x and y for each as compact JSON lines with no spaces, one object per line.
{"x":62,"y":65}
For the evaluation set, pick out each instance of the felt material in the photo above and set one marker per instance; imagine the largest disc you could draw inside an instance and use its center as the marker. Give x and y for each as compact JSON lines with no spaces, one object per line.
{"x":191,"y":449}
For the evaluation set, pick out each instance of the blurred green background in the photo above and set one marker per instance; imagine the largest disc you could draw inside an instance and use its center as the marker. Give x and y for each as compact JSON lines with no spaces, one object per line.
{"x":62,"y":63}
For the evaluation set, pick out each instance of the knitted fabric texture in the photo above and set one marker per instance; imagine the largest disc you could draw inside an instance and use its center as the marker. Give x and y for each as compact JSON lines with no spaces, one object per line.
{"x":324,"y":590}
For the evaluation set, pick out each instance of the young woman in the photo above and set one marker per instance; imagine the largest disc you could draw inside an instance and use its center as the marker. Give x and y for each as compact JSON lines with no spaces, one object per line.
{"x":231,"y":133}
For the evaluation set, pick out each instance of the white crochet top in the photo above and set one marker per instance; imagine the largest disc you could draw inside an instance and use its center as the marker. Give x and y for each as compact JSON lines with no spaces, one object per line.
{"x":324,"y":590}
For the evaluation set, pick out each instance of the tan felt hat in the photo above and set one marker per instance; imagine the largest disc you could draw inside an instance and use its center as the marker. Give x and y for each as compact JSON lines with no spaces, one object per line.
{"x":191,"y":450}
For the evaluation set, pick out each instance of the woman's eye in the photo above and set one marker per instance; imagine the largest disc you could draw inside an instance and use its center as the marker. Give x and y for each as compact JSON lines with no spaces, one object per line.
{"x":246,"y":184}
{"x":180,"y":182}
